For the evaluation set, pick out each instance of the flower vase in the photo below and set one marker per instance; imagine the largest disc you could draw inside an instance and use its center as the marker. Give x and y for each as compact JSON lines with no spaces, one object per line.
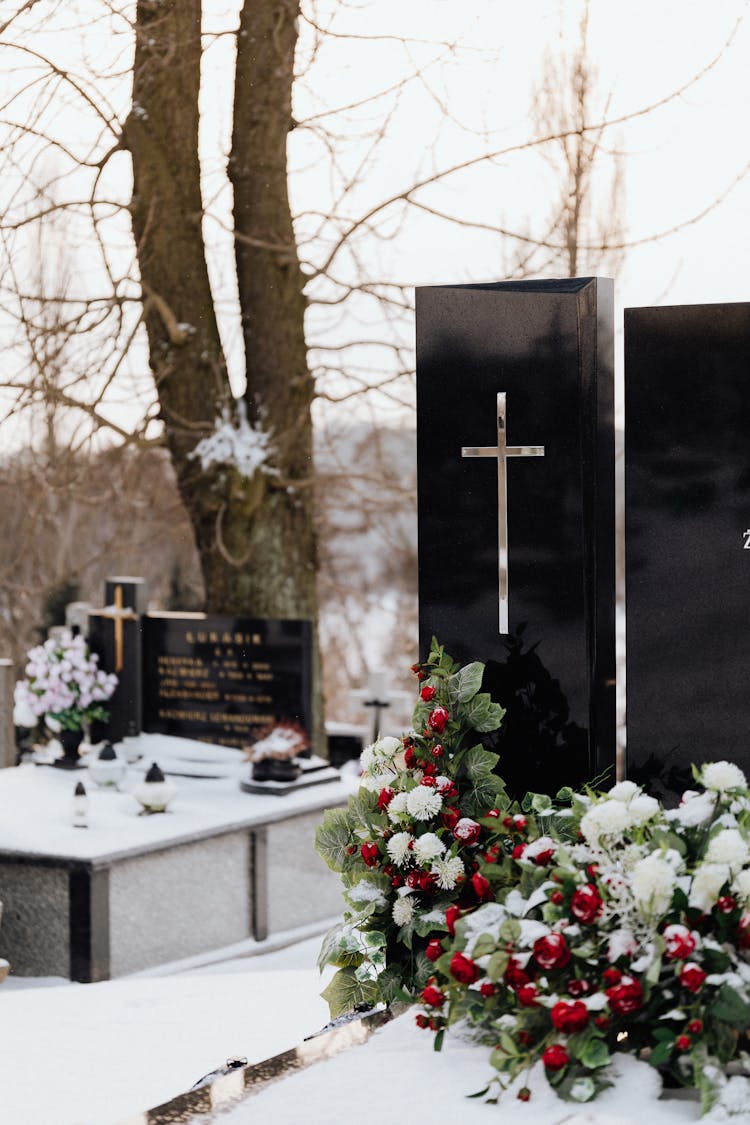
{"x":70,"y":740}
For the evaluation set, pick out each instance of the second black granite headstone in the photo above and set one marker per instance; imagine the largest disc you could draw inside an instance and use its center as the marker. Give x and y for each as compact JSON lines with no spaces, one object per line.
{"x":225,"y":680}
{"x":516,"y":542}
{"x":687,"y":402}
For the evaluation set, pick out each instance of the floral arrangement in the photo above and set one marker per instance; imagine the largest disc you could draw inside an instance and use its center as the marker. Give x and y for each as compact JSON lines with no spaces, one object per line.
{"x":64,"y":686}
{"x":410,"y":843}
{"x":615,"y":925}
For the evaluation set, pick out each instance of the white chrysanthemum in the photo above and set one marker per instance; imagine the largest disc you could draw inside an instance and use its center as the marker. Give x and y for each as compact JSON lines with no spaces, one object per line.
{"x":403,"y":910}
{"x":695,"y":809}
{"x":652,"y":883}
{"x":399,"y":847}
{"x":623,"y":791}
{"x":374,"y":782}
{"x":423,"y":802}
{"x":707,"y":883}
{"x":720,"y":776}
{"x":643,"y":808}
{"x":428,"y":847}
{"x":448,"y":872}
{"x":621,"y":944}
{"x":728,"y":846}
{"x":741,"y":887}
{"x":610,"y":818}
{"x":379,"y":755}
{"x":397,"y":807}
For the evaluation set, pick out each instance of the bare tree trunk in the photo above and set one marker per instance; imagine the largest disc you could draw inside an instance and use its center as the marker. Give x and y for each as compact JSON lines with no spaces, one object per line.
{"x":255,"y":536}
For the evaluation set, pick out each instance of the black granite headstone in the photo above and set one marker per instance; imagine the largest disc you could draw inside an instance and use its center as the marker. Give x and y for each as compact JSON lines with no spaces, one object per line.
{"x":225,"y":680}
{"x":547,"y":347}
{"x":687,"y":464}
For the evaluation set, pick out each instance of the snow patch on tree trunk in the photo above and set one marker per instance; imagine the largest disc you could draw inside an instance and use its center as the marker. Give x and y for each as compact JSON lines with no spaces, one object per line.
{"x":237,"y":443}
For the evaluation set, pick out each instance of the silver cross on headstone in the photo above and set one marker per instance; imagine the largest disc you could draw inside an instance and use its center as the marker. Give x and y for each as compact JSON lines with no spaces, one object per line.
{"x":501,"y":451}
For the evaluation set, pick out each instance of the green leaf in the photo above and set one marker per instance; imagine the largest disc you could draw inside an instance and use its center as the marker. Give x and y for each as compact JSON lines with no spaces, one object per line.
{"x":661,"y":1053}
{"x":541,"y":802}
{"x":479,"y":763}
{"x":497,"y":965}
{"x":332,"y":838}
{"x":484,"y":945}
{"x":595,"y":1054}
{"x":510,"y":931}
{"x":345,"y":992}
{"x":389,"y":985}
{"x":730,"y":1007}
{"x":330,"y":946}
{"x":374,"y":939}
{"x":465,"y":683}
{"x":439,"y":1040}
{"x":481,"y":714}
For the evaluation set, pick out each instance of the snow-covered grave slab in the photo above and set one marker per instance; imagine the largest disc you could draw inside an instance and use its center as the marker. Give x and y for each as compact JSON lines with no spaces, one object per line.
{"x":131,"y":891}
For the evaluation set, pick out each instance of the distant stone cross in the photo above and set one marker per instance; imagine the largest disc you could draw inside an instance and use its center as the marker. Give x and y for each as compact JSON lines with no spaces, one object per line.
{"x":501,"y":451}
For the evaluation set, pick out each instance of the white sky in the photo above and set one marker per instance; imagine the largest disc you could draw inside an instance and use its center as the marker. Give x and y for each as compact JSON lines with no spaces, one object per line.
{"x":677,"y":160}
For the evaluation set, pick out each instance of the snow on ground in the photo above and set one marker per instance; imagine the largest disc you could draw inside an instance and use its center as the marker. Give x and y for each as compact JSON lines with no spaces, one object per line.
{"x":97,"y":1054}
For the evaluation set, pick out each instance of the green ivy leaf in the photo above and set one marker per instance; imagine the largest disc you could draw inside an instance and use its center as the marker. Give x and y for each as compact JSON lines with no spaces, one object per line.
{"x":730,"y":1007}
{"x":332,"y":838}
{"x":330,"y":946}
{"x":595,"y":1054}
{"x":484,"y":945}
{"x":345,"y":992}
{"x":465,"y":683}
{"x":481,"y":714}
{"x":479,"y":763}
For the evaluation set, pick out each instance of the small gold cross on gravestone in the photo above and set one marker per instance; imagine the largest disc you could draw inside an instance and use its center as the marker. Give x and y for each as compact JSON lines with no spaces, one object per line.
{"x":501,"y":451}
{"x":117,"y":614}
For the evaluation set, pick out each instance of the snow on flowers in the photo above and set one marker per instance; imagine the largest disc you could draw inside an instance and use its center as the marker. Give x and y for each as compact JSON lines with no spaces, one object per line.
{"x":634,"y":937}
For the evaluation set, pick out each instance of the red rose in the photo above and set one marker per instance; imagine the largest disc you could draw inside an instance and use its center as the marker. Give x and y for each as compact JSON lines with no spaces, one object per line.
{"x":692,"y":977}
{"x":555,"y":1057}
{"x":551,"y":952}
{"x":541,"y":859}
{"x":519,"y":851}
{"x":515,"y":975}
{"x":452,"y":914}
{"x":695,"y":1027}
{"x":520,"y":822}
{"x":683,"y":1042}
{"x":507,"y":822}
{"x":370,"y":854}
{"x":464,"y":969}
{"x":467,"y":831}
{"x":434,"y":949}
{"x":586,"y":904}
{"x":625,"y":997}
{"x":397,"y":881}
{"x":481,"y":885}
{"x":527,"y":996}
{"x":412,"y":880}
{"x":438,"y":719}
{"x":416,"y":668}
{"x":447,"y":789}
{"x":680,"y":943}
{"x":421,"y":1020}
{"x":450,"y":817}
{"x":557,"y":897}
{"x":602,"y":1022}
{"x":487,"y":988}
{"x":432,"y":997}
{"x":568,"y":1017}
{"x":427,"y":881}
{"x":409,"y":757}
{"x":744,"y":932}
{"x":726,"y":904}
{"x":525,"y":1038}
{"x":579,"y":987}
{"x":438,"y":750}
{"x":428,"y":780}
{"x":384,"y":798}
{"x":611,"y":976}
{"x":493,"y":812}
{"x":427,"y":693}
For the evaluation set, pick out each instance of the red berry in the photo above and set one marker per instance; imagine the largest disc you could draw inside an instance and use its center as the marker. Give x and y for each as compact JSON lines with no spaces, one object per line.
{"x":683,"y":1042}
{"x":487,"y":988}
{"x":416,"y":668}
{"x":524,"y":1094}
{"x":557,"y":897}
{"x":695,"y":1027}
{"x":507,"y":822}
{"x":520,"y":822}
{"x":726,"y":904}
{"x":602,"y":1022}
{"x":525,"y":1038}
{"x":421,"y":675}
{"x":397,"y":881}
{"x":611,"y":976}
{"x":493,"y":812}
{"x":438,"y":750}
